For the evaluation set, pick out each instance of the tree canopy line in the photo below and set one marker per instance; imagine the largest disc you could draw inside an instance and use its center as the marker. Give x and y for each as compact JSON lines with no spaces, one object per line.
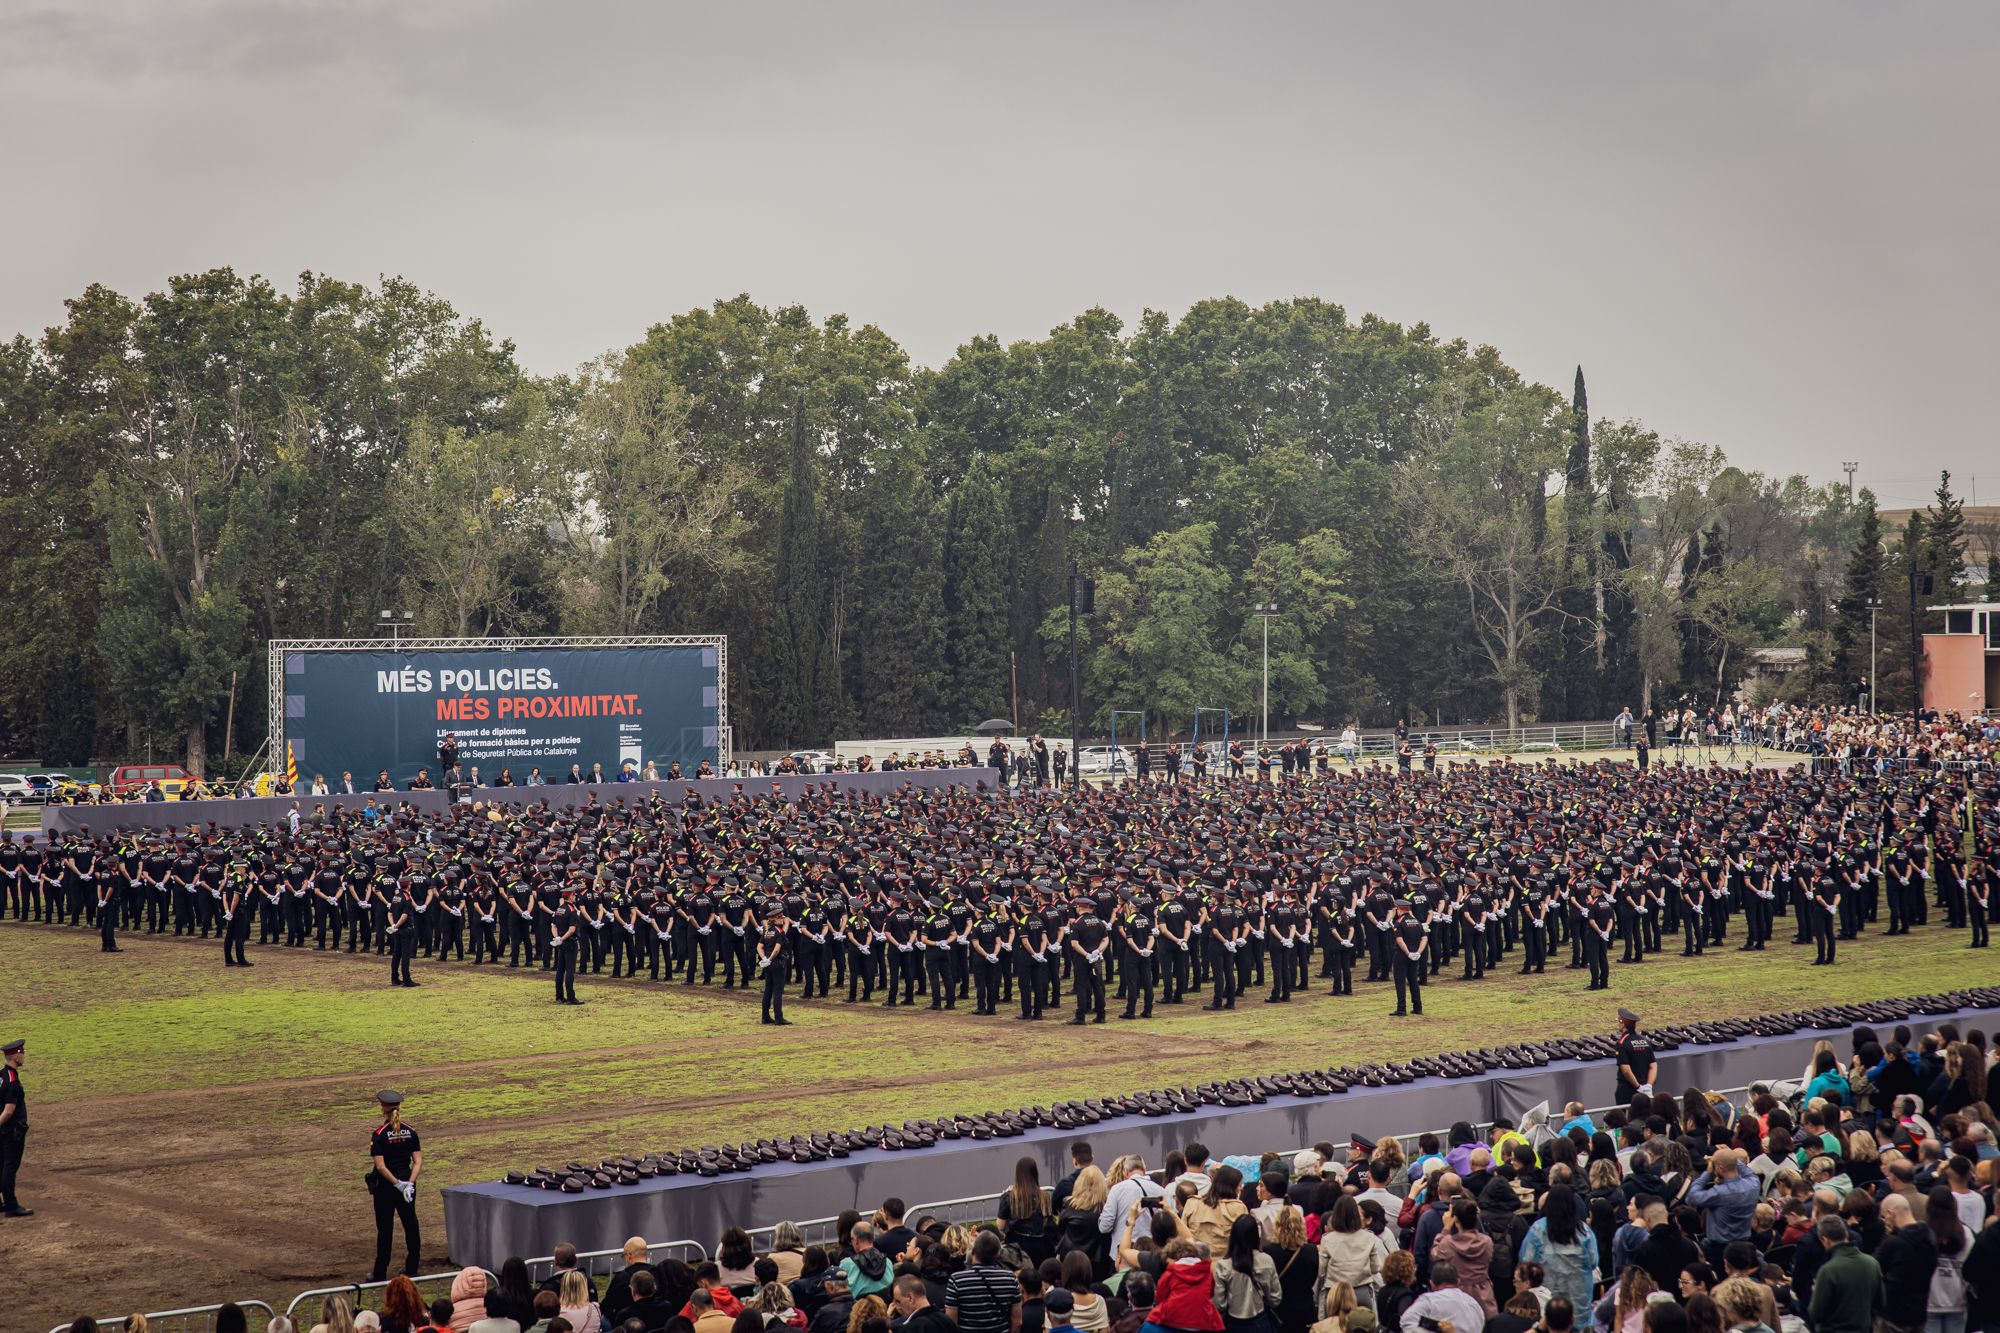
{"x":888,"y":546}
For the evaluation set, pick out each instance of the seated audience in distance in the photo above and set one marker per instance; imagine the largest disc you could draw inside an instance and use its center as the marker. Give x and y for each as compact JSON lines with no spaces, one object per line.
{"x":468,"y":1299}
{"x":618,"y":1293}
{"x":496,"y":1318}
{"x":646,"y":1303}
{"x":547,"y":1304}
{"x":707,"y":1319}
{"x":576,"y":1304}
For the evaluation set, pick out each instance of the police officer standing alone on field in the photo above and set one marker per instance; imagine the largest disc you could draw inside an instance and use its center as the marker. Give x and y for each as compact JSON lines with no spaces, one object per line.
{"x":13,"y":1126}
{"x":1636,"y":1068}
{"x":398,"y":1161}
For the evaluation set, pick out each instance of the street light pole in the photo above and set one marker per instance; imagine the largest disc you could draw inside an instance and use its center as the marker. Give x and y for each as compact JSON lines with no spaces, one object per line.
{"x":1075,"y":753}
{"x":1264,"y":611}
{"x":1874,"y":605}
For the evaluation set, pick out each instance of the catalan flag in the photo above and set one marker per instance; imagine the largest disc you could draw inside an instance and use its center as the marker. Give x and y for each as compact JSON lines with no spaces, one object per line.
{"x":291,"y":766}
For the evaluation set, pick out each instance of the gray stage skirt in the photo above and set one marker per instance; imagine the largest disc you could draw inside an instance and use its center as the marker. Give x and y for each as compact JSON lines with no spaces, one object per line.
{"x":487,"y":1223}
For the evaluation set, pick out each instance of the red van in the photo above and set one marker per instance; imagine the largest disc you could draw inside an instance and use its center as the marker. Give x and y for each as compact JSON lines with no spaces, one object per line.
{"x":169,"y":777}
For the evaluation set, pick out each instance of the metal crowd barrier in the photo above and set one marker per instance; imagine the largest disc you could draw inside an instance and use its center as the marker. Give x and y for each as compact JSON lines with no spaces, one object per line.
{"x":603,"y":1263}
{"x":183,"y":1320}
{"x":430,"y":1286}
{"x":597,"y":1263}
{"x":981,"y":1207}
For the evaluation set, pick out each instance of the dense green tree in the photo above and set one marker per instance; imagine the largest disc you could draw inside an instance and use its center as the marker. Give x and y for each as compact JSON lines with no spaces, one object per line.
{"x":1575,"y":656}
{"x":1153,"y":640}
{"x":186,"y":476}
{"x":896,"y":648}
{"x":804,"y":640}
{"x":976,"y":566}
{"x":631,"y":505}
{"x":1861,"y":584}
{"x":1470,"y":502}
{"x":1942,"y":551}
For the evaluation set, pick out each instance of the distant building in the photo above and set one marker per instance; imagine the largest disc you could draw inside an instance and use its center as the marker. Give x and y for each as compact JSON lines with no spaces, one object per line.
{"x":1962,"y":663}
{"x":1769,"y":664}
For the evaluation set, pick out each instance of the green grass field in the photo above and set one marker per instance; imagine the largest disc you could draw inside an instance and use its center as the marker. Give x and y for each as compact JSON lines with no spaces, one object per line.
{"x":213,"y":1124}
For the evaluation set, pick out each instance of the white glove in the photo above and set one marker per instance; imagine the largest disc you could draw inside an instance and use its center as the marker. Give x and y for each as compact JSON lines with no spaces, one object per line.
{"x":409,"y":1192}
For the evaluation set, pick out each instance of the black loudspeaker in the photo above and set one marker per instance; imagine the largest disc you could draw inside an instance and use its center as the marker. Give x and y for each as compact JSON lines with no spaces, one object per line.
{"x":1921,"y":584}
{"x":1086,"y":597}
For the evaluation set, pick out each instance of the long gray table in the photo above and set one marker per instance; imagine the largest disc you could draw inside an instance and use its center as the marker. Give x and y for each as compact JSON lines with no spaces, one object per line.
{"x":487,"y":1223}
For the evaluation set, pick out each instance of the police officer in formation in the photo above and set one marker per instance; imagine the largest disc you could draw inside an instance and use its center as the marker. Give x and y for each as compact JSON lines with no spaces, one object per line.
{"x":1167,"y":895}
{"x":774,"y":964}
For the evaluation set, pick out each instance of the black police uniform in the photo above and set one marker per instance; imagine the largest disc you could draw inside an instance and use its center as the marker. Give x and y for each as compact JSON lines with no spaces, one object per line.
{"x":1534,"y":932}
{"x":1406,"y":947}
{"x":396,"y":1144}
{"x":1142,"y":943}
{"x":986,"y":960}
{"x":1634,"y":1058}
{"x":236,"y":925}
{"x":1829,"y":900}
{"x":1980,"y":887}
{"x":1088,"y":940}
{"x":1223,"y":941}
{"x":13,"y":1136}
{"x":1031,"y":958}
{"x":402,"y":931}
{"x":774,"y":952}
{"x":1339,"y":950}
{"x":564,"y":924}
{"x":939,"y":933}
{"x":904,"y":944}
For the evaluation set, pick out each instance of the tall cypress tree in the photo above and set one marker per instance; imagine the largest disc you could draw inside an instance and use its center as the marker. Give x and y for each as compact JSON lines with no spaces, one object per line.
{"x":976,"y":581}
{"x":1861,"y":583}
{"x":810,"y":682}
{"x":1943,"y":550}
{"x":895,"y":646}
{"x":1576,"y":679}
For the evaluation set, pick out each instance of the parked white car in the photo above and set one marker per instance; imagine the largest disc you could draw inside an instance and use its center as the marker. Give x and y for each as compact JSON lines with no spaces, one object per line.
{"x":1096,"y":761}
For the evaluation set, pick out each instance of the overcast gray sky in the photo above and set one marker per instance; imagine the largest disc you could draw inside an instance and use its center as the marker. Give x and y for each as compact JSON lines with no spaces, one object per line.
{"x":1768,"y":226}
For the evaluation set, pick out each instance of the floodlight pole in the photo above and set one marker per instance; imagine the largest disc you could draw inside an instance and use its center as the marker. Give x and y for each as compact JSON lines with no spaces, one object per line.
{"x":1075,"y":750}
{"x":1264,"y":611}
{"x":1874,"y":605}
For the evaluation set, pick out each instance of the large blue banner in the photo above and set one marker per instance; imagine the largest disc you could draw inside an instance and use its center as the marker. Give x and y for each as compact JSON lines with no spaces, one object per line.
{"x":513,"y":709}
